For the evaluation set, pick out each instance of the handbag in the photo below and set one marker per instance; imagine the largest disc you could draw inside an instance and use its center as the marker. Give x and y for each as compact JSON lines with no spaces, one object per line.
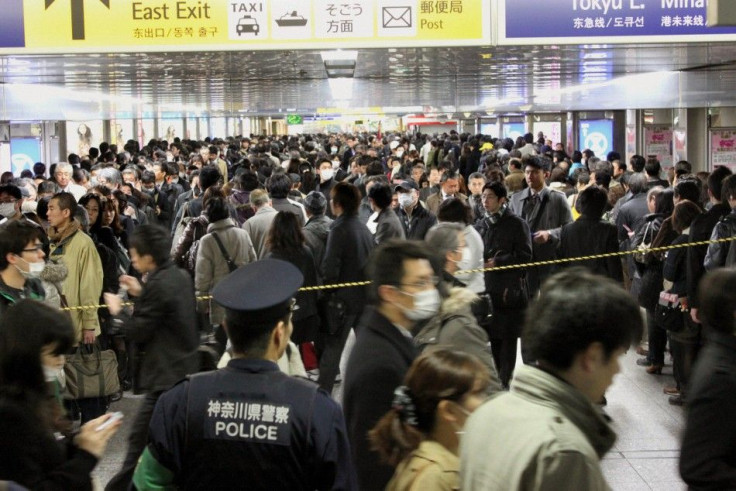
{"x":668,"y":312}
{"x":91,"y":373}
{"x":230,"y":263}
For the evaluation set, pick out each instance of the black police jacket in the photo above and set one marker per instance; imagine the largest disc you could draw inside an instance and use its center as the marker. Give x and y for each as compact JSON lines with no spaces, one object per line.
{"x":250,"y":426}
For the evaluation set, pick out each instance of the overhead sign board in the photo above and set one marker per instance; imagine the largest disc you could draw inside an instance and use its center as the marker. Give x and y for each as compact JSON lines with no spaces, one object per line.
{"x":606,"y":21}
{"x":109,"y":26}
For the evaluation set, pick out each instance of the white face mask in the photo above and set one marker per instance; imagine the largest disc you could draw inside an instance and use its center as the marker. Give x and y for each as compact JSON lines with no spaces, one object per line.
{"x":406,"y":200}
{"x":34,"y":269}
{"x":399,"y":152}
{"x":465,"y":260}
{"x":7,"y":209}
{"x":334,"y":149}
{"x":326,"y":174}
{"x":426,"y":305}
{"x":51,"y":374}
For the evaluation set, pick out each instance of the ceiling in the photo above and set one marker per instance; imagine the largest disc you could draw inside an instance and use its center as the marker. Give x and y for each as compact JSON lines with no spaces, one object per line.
{"x":480,"y":80}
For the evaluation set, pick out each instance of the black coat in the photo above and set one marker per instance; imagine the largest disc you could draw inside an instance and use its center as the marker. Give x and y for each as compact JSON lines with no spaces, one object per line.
{"x":586,"y":237}
{"x":700,"y":230}
{"x":508,"y":241}
{"x":30,"y":456}
{"x":708,"y":456}
{"x":377,"y":365}
{"x":164,"y":328}
{"x":416,"y":227}
{"x":349,"y":245}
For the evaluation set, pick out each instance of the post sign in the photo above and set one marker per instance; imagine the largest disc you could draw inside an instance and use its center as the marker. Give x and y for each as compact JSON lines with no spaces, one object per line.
{"x":606,"y":21}
{"x":105,"y":26}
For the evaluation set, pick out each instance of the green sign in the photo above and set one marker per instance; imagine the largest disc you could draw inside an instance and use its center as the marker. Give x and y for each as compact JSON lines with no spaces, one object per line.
{"x":294,"y":119}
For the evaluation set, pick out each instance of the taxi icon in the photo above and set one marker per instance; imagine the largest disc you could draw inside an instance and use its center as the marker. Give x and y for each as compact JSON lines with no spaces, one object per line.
{"x":247,"y":25}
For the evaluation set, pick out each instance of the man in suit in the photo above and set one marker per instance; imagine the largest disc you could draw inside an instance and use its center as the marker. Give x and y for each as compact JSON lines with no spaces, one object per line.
{"x":403,"y":291}
{"x":449,"y":188}
{"x":545,"y":211}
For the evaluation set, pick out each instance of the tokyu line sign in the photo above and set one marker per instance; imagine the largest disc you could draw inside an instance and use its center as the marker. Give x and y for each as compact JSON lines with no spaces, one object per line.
{"x":109,"y":26}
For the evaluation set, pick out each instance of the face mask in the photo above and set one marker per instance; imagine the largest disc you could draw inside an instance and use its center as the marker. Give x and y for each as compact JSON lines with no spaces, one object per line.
{"x":399,"y":152}
{"x":406,"y":200}
{"x":334,"y":149}
{"x":7,"y":209}
{"x":51,"y":374}
{"x":34,"y":269}
{"x":466,"y":256}
{"x":460,"y":430}
{"x":326,"y":174}
{"x":149,"y":192}
{"x":335,"y":164}
{"x":426,"y":305}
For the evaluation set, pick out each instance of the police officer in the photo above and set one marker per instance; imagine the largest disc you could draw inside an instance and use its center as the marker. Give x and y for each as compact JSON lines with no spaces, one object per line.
{"x":249,"y":424}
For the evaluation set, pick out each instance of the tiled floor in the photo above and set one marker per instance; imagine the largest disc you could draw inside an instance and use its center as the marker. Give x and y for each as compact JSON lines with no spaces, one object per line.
{"x":644,"y":458}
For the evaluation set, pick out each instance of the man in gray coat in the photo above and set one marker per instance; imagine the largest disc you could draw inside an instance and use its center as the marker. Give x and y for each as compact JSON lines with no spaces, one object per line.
{"x":259,"y":224}
{"x":318,"y":224}
{"x":545,"y":211}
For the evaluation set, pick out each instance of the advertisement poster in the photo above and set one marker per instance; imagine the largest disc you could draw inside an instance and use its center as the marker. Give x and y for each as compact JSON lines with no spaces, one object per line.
{"x":630,"y":141}
{"x":24,"y":152}
{"x":723,"y":149}
{"x":513,"y":130}
{"x":679,"y":143}
{"x":596,"y":135}
{"x":658,"y":144}
{"x":121,"y":130}
{"x":83,"y":135}
{"x":491,"y":129}
{"x":551,"y":130}
{"x":145,"y":131}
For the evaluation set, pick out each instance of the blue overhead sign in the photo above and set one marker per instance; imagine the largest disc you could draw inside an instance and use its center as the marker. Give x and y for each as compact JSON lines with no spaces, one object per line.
{"x":607,"y":21}
{"x":596,"y":135}
{"x":12,"y":33}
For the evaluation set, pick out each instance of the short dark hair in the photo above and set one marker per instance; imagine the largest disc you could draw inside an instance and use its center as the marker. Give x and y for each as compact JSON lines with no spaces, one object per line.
{"x":456,"y":211}
{"x":683,"y":167}
{"x":498,"y":188}
{"x":14,"y":237}
{"x":715,"y":181}
{"x":248,"y":336}
{"x":152,"y":240}
{"x":728,"y":188}
{"x":347,"y":197}
{"x":208,"y":176}
{"x":278,"y":185}
{"x":717,"y":294}
{"x":688,"y":189}
{"x":592,"y":202}
{"x":386,"y":265}
{"x":653,"y":167}
{"x":381,"y":195}
{"x":248,"y":180}
{"x":66,"y":201}
{"x":637,"y":163}
{"x":602,"y":178}
{"x":11,"y":190}
{"x":575,"y":309}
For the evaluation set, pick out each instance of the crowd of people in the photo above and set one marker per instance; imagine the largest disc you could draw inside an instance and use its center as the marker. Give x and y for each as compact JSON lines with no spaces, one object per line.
{"x":364,"y":297}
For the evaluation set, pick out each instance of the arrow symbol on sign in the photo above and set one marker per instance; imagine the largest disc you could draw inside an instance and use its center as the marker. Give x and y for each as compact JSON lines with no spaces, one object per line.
{"x":77,"y":16}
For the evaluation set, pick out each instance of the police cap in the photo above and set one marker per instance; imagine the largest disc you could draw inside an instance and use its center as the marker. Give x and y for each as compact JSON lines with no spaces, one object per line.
{"x":264,"y":288}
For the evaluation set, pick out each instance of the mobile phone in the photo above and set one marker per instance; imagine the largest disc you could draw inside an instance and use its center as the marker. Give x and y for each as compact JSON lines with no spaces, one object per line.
{"x":116,"y":416}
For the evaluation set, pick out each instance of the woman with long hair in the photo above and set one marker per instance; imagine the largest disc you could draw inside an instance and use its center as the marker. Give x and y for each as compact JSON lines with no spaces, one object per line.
{"x":420,"y":434}
{"x":32,"y":342}
{"x":286,"y":242}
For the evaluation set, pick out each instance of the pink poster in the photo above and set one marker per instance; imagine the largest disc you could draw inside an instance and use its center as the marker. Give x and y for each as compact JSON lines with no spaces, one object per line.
{"x":658,"y":144}
{"x":723,"y":149}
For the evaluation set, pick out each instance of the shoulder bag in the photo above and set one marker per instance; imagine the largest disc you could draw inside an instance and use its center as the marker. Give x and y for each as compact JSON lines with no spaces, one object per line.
{"x":90,"y":373}
{"x":230,"y":263}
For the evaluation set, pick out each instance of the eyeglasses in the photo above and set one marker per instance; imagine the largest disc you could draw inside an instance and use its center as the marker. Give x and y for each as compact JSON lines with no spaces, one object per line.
{"x":425,"y":283}
{"x":38,"y":248}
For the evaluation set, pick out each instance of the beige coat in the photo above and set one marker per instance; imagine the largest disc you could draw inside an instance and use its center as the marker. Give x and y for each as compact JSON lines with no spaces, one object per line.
{"x":431,"y":467}
{"x":542,"y":435}
{"x":83,"y":283}
{"x":211,"y":265}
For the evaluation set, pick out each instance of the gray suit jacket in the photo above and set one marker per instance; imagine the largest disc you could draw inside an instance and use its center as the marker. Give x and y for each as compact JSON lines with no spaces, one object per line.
{"x":258,"y":226}
{"x":389,"y":226}
{"x":556,"y":213}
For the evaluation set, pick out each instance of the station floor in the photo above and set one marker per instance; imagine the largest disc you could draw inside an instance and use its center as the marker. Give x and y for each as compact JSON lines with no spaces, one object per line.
{"x":645,"y":456}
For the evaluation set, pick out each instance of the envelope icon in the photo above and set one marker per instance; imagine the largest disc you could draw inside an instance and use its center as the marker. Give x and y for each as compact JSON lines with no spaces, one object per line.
{"x":396,"y":17}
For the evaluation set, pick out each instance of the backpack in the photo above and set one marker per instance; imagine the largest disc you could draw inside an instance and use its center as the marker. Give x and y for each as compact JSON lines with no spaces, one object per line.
{"x":190,"y":256}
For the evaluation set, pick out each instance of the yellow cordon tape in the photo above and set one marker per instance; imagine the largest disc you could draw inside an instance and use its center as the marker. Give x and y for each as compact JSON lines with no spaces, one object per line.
{"x":466,"y":271}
